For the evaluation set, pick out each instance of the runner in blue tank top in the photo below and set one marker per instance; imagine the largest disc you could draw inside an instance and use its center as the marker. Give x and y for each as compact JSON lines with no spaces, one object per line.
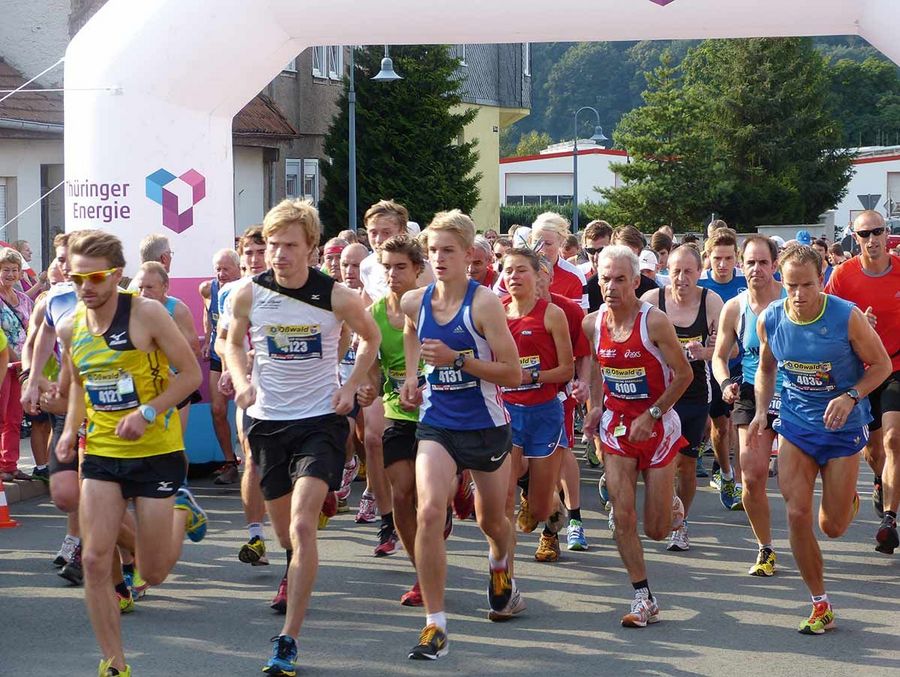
{"x":821,"y":345}
{"x":458,"y":329}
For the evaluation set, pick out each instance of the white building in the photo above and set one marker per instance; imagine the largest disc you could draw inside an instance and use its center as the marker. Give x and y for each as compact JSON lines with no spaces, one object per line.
{"x":876,"y":172}
{"x":547,"y":177}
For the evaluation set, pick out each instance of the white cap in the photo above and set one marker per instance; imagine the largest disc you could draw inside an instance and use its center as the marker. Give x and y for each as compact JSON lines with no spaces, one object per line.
{"x":413,"y":228}
{"x":777,"y":239}
{"x":520,"y":238}
{"x":648,"y":260}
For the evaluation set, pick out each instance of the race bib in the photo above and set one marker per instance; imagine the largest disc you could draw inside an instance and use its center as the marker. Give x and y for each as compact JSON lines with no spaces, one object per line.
{"x":447,"y":379}
{"x":775,"y":406}
{"x":809,"y":376}
{"x":529,"y":362}
{"x":111,"y":392}
{"x":689,"y":339}
{"x":294,"y":342}
{"x":627,"y":384}
{"x":396,"y":377}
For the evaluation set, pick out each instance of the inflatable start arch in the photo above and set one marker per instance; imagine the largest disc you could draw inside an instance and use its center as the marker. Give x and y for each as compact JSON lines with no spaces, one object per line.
{"x":154,"y":154}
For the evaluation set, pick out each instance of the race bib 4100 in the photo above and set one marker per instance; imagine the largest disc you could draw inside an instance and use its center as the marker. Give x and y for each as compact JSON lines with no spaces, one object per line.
{"x":294,"y":342}
{"x":627,"y":384}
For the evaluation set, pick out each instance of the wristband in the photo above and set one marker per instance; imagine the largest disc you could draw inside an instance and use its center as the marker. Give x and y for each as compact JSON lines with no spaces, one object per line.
{"x":23,"y":375}
{"x":727,"y":382}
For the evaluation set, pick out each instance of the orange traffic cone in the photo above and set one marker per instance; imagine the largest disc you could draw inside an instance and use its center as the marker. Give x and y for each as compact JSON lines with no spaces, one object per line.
{"x":6,"y":522}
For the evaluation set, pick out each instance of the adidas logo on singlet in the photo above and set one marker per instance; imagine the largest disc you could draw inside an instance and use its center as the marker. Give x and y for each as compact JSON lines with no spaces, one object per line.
{"x":458,"y":330}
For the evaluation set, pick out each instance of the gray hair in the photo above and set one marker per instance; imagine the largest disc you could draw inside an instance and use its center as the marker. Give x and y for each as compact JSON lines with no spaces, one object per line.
{"x":619,"y":252}
{"x":484,"y":245}
{"x":153,"y":247}
{"x":230,"y":254}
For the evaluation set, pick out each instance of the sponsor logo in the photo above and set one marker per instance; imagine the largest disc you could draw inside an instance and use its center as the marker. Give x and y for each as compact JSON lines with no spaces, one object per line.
{"x":630,"y":354}
{"x":165,"y":486}
{"x":117,"y":339}
{"x":458,"y":330}
{"x":314,"y":297}
{"x":526,"y":332}
{"x":494,"y":459}
{"x":177,"y":195}
{"x":607,"y":352}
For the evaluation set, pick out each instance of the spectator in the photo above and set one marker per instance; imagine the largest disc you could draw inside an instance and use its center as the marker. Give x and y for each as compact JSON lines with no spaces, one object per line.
{"x":31,"y":282}
{"x":15,"y":311}
{"x":821,"y":246}
{"x":491,"y":235}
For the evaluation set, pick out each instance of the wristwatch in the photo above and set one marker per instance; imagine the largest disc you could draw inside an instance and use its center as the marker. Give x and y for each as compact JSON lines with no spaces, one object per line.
{"x":148,"y":413}
{"x":459,"y":361}
{"x":854,"y":395}
{"x":535,"y":375}
{"x":655,"y":412}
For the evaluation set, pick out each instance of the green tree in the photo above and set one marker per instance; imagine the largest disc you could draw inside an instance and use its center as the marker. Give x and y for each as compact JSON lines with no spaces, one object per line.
{"x":775,"y":143}
{"x":533,"y":143}
{"x":407,"y":139}
{"x":865,"y":95}
{"x":666,"y":177}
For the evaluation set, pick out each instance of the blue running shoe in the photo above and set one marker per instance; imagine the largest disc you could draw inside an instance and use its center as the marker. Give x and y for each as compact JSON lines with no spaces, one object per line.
{"x":196,"y":526}
{"x":284,"y":657}
{"x":575,"y":538}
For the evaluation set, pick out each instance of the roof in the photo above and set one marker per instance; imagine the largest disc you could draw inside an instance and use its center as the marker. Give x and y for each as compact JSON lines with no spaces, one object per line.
{"x":261,"y":117}
{"x":39,"y":107}
{"x":548,"y":156}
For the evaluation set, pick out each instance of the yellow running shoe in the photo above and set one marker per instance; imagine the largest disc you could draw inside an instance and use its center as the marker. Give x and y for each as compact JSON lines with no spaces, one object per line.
{"x":548,"y":549}
{"x":525,"y":520}
{"x":765,"y":563}
{"x":253,"y":552}
{"x":820,"y":620}
{"x":126,"y":603}
{"x":107,"y":670}
{"x":323,"y":520}
{"x":139,"y":586}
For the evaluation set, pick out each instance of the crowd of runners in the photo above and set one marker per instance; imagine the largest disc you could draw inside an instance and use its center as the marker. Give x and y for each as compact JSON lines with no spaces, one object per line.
{"x":460,"y":371}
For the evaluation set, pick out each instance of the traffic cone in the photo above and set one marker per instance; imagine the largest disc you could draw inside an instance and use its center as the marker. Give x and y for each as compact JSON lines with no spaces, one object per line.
{"x":6,"y":522}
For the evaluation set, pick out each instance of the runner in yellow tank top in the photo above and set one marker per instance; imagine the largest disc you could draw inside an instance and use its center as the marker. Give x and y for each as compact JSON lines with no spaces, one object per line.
{"x":118,"y":348}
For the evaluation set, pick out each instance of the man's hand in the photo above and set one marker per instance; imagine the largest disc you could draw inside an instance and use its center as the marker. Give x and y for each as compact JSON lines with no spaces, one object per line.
{"x":694,"y":350}
{"x":225,"y":384}
{"x":870,"y":316}
{"x":342,"y":401}
{"x":410,"y":394}
{"x":131,"y":427}
{"x":590,"y":426}
{"x":204,"y":350}
{"x":65,"y":447}
{"x":436,"y":353}
{"x":641,"y":428}
{"x":581,"y":391}
{"x":837,"y":411}
{"x":53,"y":401}
{"x":731,"y":393}
{"x":31,"y":393}
{"x":757,"y":425}
{"x":246,"y":397}
{"x":366,"y":394}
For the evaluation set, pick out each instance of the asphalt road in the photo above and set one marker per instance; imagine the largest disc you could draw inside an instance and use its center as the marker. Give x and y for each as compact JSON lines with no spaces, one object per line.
{"x":211,"y":617}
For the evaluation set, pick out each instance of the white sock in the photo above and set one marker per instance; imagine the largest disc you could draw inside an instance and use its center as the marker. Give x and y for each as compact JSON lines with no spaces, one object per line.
{"x":496,"y":565}
{"x":72,"y":539}
{"x":439,"y":619}
{"x":255,"y":529}
{"x":820,"y":598}
{"x":727,"y":476}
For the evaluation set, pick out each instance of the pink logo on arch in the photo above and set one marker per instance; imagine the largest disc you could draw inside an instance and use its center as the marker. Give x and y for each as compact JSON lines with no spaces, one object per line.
{"x":662,"y":3}
{"x":177,"y":195}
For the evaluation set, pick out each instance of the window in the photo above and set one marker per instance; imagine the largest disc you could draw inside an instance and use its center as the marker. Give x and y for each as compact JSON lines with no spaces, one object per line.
{"x":291,"y":67}
{"x":461,"y":55}
{"x":319,"y":62}
{"x":526,"y":58}
{"x":335,"y":62}
{"x":311,"y":180}
{"x":291,"y":178}
{"x":301,"y":179}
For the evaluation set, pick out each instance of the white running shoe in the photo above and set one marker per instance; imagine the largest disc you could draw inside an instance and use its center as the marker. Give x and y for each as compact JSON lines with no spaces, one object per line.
{"x":679,"y":541}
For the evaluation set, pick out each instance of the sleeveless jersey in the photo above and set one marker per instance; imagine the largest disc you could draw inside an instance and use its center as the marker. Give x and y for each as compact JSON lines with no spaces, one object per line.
{"x":295,"y":336}
{"x":392,"y":360}
{"x":117,"y":378}
{"x":225,"y":301}
{"x":699,"y":390}
{"x":817,"y":363}
{"x":212,"y":316}
{"x":536,"y":351}
{"x":453,"y":398}
{"x":749,"y":340}
{"x":634,"y":371}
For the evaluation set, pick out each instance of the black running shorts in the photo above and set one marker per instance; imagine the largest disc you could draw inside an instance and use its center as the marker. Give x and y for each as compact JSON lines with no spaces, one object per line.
{"x":745,"y":407}
{"x":482,"y":450}
{"x":718,"y":407}
{"x":399,"y":441}
{"x":693,"y":417}
{"x":147,"y":477}
{"x":288,"y":450}
{"x":885,"y":397}
{"x":59,"y":423}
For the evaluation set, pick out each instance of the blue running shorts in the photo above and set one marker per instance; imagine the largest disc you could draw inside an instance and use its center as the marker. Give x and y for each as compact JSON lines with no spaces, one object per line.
{"x":823,"y":445}
{"x":537,"y":428}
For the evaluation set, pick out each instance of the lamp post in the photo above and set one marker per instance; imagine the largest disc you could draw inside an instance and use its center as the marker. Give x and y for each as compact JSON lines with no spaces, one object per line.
{"x":599,"y":138}
{"x":386,"y":74}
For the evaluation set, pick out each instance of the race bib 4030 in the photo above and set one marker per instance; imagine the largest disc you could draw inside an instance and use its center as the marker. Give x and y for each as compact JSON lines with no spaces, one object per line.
{"x":809,"y":376}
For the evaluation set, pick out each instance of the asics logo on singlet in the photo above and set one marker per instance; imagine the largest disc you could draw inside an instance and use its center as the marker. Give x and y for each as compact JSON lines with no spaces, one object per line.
{"x":117,"y":339}
{"x":607,"y":352}
{"x":458,"y":330}
{"x":632,"y":353}
{"x":526,"y":332}
{"x":164,"y":486}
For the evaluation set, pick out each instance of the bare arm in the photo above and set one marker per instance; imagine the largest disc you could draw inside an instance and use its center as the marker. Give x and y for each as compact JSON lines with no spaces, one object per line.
{"x":868,"y":348}
{"x":75,"y":411}
{"x":349,"y":308}
{"x":764,"y":386}
{"x":235,"y":353}
{"x":167,"y":336}
{"x":726,"y":339}
{"x":185,"y":322}
{"x":410,"y":395}
{"x":714,"y":307}
{"x":504,"y":370}
{"x":662,"y":333}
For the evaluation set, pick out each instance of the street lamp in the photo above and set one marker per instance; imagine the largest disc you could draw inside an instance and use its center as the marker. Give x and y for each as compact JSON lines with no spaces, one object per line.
{"x":386,"y":74}
{"x":598,"y":137}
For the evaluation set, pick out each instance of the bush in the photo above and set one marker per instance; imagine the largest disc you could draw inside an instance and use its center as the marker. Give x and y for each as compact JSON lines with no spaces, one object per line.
{"x":526,"y":214}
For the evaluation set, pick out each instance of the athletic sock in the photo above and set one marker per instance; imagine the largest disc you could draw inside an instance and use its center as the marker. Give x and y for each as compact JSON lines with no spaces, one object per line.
{"x":439,"y":619}
{"x":547,"y":532}
{"x":575,"y":514}
{"x":41,"y":467}
{"x":727,"y":476}
{"x":891,"y":514}
{"x":122,"y":589}
{"x":497,"y":565}
{"x":289,"y":554}
{"x":642,"y":589}
{"x":766,"y":546}
{"x":387,"y":520}
{"x":255,"y":529}
{"x":128,"y":568}
{"x":818,"y":599}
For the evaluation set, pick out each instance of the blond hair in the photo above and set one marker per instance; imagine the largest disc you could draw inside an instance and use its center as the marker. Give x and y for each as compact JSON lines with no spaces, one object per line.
{"x":289,"y":213}
{"x":390,"y":209}
{"x":454,"y":222}
{"x":97,"y":244}
{"x":10,"y":255}
{"x":158,"y":268}
{"x":550,"y":221}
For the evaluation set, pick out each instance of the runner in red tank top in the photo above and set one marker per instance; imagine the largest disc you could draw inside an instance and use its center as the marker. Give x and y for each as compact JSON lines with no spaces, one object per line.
{"x":644,"y":372}
{"x":541,"y":334}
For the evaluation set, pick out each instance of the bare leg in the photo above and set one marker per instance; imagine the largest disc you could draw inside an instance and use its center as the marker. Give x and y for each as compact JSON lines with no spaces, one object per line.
{"x":376,"y":479}
{"x":658,"y":502}
{"x":621,"y":477}
{"x":518,"y":466}
{"x":720,"y":442}
{"x":40,"y":441}
{"x":890,"y":477}
{"x":435,"y":477}
{"x":219,"y":411}
{"x":838,"y":489}
{"x":402,"y":476}
{"x":543,"y":481}
{"x":160,"y":535}
{"x":797,"y":478}
{"x":874,"y":451}
{"x":755,"y":461}
{"x":570,"y":476}
{"x":687,"y":480}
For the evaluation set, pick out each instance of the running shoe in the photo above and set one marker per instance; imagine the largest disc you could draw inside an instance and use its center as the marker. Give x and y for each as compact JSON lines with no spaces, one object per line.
{"x":107,"y":670}
{"x":464,"y":499}
{"x":820,"y":620}
{"x":590,"y":453}
{"x":701,"y":471}
{"x":525,"y":520}
{"x":388,"y":541}
{"x":773,"y":466}
{"x":222,"y":468}
{"x":575,"y":537}
{"x":196,"y":524}
{"x":253,"y":552}
{"x":737,"y":504}
{"x":126,"y":602}
{"x":855,"y":511}
{"x":41,"y":474}
{"x":432,"y":644}
{"x":323,"y":521}
{"x":66,"y":551}
{"x":139,"y":586}
{"x":643,"y":612}
{"x":514,"y":607}
{"x":72,"y":571}
{"x":765,"y":563}
{"x":366,"y":512}
{"x":229,"y":475}
{"x":547,"y":549}
{"x":351,"y":470}
{"x":886,"y":536}
{"x":611,"y":522}
{"x":413,"y":596}
{"x":500,"y":589}
{"x":679,"y":541}
{"x":128,"y":578}
{"x":728,"y":493}
{"x":715,"y":480}
{"x":605,"y":504}
{"x":284,"y":657}
{"x":677,"y":512}
{"x":342,"y":505}
{"x":279,"y":602}
{"x":878,"y":498}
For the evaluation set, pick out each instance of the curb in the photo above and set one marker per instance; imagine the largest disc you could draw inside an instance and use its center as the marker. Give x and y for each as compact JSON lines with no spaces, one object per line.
{"x":24,"y":490}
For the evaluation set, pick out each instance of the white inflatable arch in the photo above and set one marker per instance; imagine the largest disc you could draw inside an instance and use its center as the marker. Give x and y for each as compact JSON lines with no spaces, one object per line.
{"x":154,"y":154}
